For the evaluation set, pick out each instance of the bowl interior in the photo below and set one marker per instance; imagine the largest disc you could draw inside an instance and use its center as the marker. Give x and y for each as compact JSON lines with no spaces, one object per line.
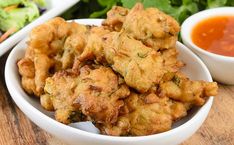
{"x":195,"y":69}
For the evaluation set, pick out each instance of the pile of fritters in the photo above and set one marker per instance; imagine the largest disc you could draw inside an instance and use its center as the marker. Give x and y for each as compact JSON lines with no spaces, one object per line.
{"x":123,"y":76}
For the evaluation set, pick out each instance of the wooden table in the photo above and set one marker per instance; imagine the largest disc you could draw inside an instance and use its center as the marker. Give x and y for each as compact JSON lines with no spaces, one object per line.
{"x":17,"y":129}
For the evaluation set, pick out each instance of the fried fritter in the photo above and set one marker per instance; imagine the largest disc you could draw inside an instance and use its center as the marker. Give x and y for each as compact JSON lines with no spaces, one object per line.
{"x":96,"y":92}
{"x":94,"y":48}
{"x":154,"y":28}
{"x":52,"y":46}
{"x":115,"y":18}
{"x":128,"y":52}
{"x":151,"y":26}
{"x":99,"y":94}
{"x":147,"y":114}
{"x":179,"y":87}
{"x":58,"y":97}
{"x":171,"y":63}
{"x":142,"y":67}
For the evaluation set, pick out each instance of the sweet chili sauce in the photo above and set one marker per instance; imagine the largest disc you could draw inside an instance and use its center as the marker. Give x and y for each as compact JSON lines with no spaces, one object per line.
{"x":216,"y":35}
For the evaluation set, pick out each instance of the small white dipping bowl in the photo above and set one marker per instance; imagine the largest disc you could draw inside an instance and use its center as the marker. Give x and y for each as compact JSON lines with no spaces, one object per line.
{"x":85,"y":133}
{"x":221,"y":67}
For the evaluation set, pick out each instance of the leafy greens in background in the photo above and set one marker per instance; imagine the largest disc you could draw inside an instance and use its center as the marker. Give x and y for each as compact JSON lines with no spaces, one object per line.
{"x":90,"y":9}
{"x":179,"y":9}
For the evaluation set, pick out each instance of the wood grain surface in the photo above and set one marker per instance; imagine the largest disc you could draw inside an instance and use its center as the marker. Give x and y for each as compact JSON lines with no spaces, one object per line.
{"x":17,"y":129}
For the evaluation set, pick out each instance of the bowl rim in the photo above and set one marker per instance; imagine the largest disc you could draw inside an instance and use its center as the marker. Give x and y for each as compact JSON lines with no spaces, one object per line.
{"x":198,"y":17}
{"x":23,"y":104}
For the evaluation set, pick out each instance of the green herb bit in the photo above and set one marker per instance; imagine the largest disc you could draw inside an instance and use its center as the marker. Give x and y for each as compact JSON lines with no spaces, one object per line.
{"x":176,"y":80}
{"x":142,"y":55}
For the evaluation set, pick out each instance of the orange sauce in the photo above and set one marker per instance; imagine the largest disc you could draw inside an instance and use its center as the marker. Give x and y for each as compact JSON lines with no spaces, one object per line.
{"x":215,"y":35}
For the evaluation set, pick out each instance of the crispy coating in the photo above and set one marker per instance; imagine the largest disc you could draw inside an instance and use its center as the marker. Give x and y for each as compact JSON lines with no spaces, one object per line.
{"x":52,"y":46}
{"x":96,"y":92}
{"x":141,"y":66}
{"x":154,"y":112}
{"x":94,"y":48}
{"x":179,"y":87}
{"x":154,"y":28}
{"x":127,"y":52}
{"x":99,"y":94}
{"x":171,"y":64}
{"x":151,"y":26}
{"x":147,"y":114}
{"x":115,"y":18}
{"x":58,"y":97}
{"x":150,"y":113}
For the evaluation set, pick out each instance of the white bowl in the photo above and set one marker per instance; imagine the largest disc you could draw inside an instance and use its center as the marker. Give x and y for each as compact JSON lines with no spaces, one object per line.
{"x":182,"y":129}
{"x":54,"y":8}
{"x":221,"y":67}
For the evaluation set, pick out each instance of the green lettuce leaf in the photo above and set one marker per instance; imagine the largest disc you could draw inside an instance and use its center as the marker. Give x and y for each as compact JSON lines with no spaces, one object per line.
{"x":107,"y":4}
{"x":5,"y":3}
{"x":216,"y":3}
{"x":179,"y":12}
{"x":41,"y":3}
{"x":179,"y":9}
{"x":19,"y":17}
